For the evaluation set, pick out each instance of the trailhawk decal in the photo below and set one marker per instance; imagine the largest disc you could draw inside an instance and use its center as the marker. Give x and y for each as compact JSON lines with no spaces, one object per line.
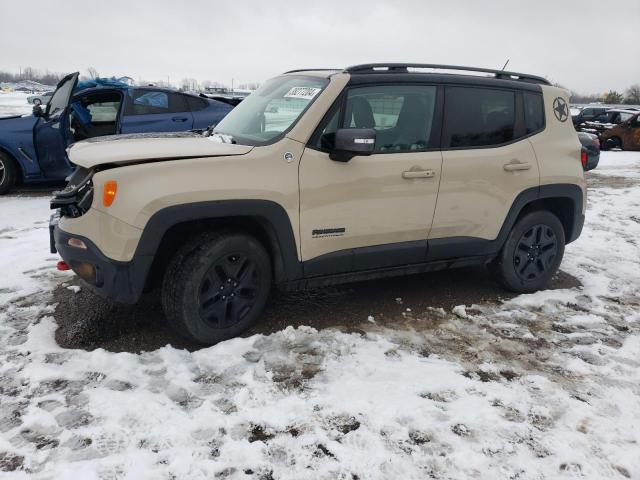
{"x":328,"y":232}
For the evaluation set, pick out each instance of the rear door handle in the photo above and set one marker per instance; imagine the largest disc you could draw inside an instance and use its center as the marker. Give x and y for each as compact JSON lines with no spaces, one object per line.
{"x":408,"y":174}
{"x":515,"y":166}
{"x":179,"y":119}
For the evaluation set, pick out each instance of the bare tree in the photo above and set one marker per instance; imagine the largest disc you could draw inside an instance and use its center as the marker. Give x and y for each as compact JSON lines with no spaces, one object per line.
{"x":93,"y":73}
{"x":633,"y":94}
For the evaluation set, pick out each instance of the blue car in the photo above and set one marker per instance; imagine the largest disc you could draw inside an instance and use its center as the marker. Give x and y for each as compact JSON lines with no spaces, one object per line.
{"x":33,"y":147}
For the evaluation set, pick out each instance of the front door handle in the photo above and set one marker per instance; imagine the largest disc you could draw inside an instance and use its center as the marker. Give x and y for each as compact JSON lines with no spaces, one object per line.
{"x":515,"y":166}
{"x":418,"y":174}
{"x":179,"y":119}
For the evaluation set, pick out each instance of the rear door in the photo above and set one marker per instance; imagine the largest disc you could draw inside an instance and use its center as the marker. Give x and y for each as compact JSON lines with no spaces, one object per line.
{"x":486,"y":162}
{"x":372,"y":211}
{"x":150,"y":110}
{"x":51,"y":132}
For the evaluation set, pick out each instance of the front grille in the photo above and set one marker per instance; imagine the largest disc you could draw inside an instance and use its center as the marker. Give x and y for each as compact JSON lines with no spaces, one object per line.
{"x":76,"y":198}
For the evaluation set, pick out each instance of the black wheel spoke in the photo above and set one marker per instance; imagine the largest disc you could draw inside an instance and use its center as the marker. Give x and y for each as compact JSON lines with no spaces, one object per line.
{"x":535,"y":252}
{"x":228,"y":290}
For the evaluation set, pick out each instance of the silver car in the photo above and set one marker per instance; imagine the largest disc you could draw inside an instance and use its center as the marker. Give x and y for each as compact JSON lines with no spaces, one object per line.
{"x":41,"y":99}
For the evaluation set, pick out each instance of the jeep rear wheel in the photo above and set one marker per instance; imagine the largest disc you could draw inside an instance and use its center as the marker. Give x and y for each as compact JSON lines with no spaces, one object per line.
{"x":8,"y":173}
{"x":216,"y":286}
{"x":532,"y":253}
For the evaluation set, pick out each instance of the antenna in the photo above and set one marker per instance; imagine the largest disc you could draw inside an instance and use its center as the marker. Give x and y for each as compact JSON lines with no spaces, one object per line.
{"x":505,"y":64}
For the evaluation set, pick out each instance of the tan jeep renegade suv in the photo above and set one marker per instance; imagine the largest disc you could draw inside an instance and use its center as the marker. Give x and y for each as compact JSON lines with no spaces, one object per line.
{"x":328,"y":176}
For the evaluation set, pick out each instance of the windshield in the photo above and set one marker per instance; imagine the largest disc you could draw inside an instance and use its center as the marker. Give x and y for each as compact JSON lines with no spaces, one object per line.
{"x":270,"y":111}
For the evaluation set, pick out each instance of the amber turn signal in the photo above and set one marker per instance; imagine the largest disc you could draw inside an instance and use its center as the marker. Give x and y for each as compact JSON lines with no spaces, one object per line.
{"x":109,"y":192}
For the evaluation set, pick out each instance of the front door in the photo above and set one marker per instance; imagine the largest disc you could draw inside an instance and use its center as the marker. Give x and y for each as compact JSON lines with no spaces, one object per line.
{"x":51,"y":132}
{"x":148,"y":110}
{"x":372,"y":211}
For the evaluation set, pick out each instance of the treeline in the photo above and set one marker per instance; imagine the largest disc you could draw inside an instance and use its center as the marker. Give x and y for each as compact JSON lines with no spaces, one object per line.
{"x":630,"y":97}
{"x":29,"y":73}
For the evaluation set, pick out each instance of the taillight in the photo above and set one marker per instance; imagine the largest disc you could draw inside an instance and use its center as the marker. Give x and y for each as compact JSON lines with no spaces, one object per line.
{"x":583,"y":158}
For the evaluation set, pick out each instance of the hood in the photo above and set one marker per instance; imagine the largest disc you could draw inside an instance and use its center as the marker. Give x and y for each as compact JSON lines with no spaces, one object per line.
{"x":129,"y":149}
{"x":10,"y":117}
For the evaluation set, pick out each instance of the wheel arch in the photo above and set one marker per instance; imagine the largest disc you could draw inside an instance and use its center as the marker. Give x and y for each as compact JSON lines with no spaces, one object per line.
{"x":265,"y":220}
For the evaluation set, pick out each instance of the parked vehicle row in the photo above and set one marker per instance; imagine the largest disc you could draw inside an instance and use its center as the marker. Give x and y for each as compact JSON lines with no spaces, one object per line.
{"x":33,"y":147}
{"x":615,"y":127}
{"x":328,"y":176}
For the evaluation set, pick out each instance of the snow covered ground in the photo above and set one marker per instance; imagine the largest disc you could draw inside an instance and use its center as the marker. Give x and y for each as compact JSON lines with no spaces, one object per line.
{"x":14,"y":103}
{"x":543,"y":386}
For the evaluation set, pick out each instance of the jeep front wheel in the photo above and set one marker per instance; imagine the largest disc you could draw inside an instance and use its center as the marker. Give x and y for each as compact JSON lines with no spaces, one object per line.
{"x":216,"y":286}
{"x":532,"y":253}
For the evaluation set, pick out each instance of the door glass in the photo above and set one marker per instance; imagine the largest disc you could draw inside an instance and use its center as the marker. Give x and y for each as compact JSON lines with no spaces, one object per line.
{"x":402,"y":117}
{"x":476,"y":117}
{"x":153,"y":102}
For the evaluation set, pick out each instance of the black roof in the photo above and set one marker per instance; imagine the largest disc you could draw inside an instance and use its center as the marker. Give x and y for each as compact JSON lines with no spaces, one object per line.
{"x":389,"y":71}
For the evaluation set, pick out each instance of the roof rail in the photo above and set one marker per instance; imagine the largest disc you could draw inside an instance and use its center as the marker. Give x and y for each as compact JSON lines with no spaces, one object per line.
{"x":403,"y":68}
{"x":312,"y":70}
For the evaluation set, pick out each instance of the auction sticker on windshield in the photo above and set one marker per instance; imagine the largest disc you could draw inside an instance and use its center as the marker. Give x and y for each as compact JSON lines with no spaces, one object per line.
{"x":302,"y":92}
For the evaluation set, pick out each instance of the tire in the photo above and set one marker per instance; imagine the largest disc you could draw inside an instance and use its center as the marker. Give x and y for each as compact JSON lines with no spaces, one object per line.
{"x":37,"y":101}
{"x":531,"y":254}
{"x":216,"y":286}
{"x":613,"y":142}
{"x":8,"y":173}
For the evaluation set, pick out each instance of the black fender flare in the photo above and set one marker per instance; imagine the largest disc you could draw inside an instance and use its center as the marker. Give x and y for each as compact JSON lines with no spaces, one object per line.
{"x":455,"y":247}
{"x":269,"y":213}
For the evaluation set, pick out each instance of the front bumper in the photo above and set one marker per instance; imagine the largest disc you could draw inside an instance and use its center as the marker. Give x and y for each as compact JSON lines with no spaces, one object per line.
{"x":120,"y":281}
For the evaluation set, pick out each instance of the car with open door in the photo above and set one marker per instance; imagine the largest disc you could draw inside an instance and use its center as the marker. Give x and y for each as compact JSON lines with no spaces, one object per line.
{"x":33,"y":147}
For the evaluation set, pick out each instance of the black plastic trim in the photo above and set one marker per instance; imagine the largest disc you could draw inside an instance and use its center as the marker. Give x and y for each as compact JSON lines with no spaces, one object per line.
{"x":120,"y":281}
{"x":441,"y":79}
{"x":269,"y":212}
{"x":400,"y":68}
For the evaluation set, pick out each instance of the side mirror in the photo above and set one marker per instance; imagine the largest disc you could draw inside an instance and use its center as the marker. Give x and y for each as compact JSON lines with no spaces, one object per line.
{"x":37,"y":111}
{"x":353,"y":141}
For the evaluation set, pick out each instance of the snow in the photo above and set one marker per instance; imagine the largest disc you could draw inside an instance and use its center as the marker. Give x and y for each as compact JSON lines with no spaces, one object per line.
{"x":542,"y":386}
{"x":14,"y":103}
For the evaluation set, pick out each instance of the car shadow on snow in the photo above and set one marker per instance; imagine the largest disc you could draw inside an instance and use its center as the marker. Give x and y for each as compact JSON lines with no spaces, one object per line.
{"x":88,"y":321}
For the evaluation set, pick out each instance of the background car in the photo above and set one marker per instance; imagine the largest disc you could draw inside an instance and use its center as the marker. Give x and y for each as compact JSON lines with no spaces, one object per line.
{"x":40,"y":99}
{"x":625,"y":136}
{"x":590,"y":153}
{"x":615,"y":116}
{"x":33,"y":147}
{"x":589,"y":113}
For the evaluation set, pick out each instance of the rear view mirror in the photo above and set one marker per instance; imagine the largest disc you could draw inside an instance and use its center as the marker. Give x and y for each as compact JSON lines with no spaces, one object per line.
{"x":353,"y":141}
{"x":37,"y":111}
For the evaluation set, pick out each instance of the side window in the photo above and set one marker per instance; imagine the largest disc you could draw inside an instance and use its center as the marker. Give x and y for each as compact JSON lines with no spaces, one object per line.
{"x":533,"y":112}
{"x":196,"y":103}
{"x":149,"y":102}
{"x":478,"y":117}
{"x":402,"y":116}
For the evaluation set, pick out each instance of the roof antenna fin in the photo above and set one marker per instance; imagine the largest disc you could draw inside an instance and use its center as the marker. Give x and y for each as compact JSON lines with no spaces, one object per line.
{"x":505,"y":64}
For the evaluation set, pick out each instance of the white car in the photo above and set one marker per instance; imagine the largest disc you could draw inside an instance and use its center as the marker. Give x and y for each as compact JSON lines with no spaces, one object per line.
{"x":41,"y":99}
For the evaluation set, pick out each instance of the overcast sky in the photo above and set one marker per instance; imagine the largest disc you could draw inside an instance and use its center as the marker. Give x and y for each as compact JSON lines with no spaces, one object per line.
{"x":588,"y":46}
